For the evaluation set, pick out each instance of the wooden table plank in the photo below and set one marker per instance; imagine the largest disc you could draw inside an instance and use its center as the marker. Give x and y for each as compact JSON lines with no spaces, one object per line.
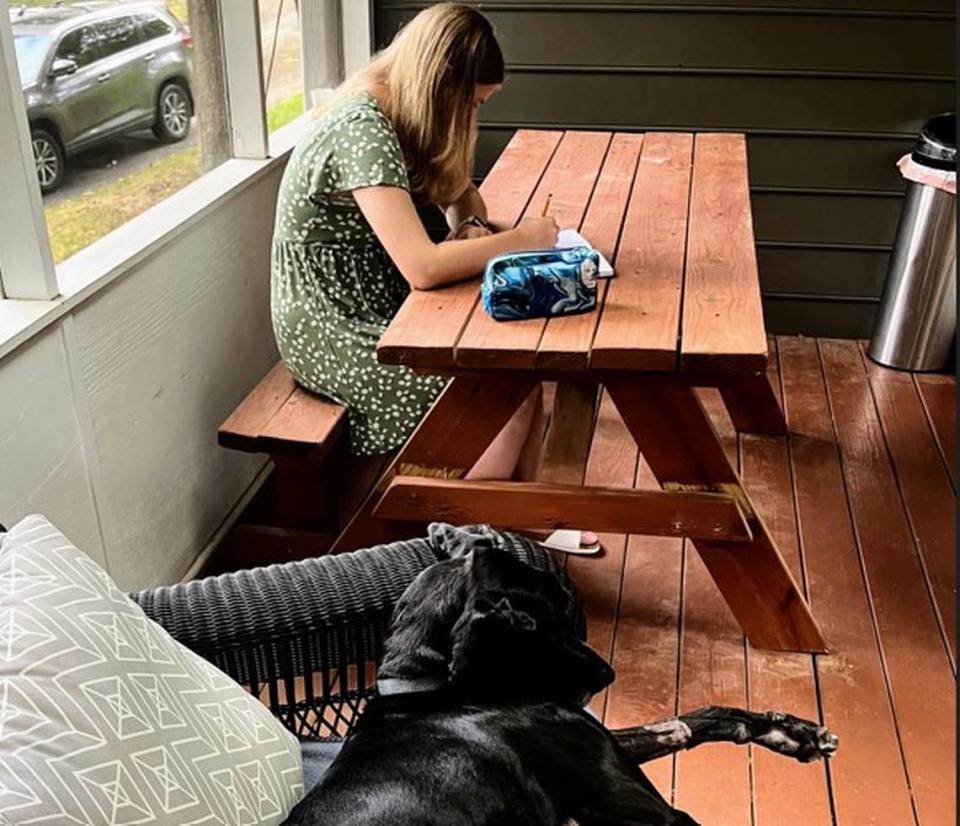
{"x":722,"y":312}
{"x":640,"y":323}
{"x":429,"y":323}
{"x":567,"y":339}
{"x":924,"y":484}
{"x":867,"y":779}
{"x":570,"y":179}
{"x":914,"y":652}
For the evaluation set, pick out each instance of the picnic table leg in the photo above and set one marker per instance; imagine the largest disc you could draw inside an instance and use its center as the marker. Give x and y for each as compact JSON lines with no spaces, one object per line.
{"x":753,"y":405}
{"x":570,"y":434}
{"x":464,"y":420}
{"x":678,"y":441}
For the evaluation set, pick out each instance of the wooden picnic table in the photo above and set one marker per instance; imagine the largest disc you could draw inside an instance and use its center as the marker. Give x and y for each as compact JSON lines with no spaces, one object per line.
{"x":672,"y":212}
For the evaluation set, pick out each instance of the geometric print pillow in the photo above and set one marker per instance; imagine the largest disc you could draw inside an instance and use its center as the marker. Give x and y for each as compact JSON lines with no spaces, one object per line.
{"x":106,"y":719}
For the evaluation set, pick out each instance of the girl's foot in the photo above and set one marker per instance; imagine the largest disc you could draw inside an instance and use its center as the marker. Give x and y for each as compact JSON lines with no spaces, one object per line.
{"x":582,"y":543}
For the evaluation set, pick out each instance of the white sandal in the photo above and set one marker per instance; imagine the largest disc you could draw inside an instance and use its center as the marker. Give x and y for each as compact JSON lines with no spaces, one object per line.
{"x":570,"y":542}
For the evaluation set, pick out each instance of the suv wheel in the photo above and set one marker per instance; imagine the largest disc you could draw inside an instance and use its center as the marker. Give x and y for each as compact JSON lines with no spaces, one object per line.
{"x":173,"y":114}
{"x":49,"y":160}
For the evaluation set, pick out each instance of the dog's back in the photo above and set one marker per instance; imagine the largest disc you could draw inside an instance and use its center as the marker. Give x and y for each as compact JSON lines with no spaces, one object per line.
{"x":427,"y":762}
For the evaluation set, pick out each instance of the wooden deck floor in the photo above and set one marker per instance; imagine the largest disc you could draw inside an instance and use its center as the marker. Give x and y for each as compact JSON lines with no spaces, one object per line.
{"x":861,"y":500}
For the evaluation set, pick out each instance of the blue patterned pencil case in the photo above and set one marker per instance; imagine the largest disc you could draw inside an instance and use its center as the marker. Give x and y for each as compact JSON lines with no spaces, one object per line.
{"x":541,"y":283}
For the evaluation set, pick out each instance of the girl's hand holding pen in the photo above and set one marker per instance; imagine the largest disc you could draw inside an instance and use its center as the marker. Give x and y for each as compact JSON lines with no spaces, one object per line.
{"x":538,"y":233}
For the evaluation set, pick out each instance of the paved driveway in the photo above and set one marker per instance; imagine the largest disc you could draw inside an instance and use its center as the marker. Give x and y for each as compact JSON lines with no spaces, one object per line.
{"x":109,"y":161}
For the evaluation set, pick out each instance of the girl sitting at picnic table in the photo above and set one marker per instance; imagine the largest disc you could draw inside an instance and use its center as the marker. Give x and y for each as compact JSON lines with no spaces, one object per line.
{"x":348,"y":243}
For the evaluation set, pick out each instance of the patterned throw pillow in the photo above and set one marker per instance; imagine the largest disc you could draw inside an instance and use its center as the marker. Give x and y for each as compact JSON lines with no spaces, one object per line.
{"x":106,"y":719}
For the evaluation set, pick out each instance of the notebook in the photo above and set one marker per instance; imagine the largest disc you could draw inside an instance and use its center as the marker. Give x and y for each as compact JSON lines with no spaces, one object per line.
{"x":572,"y":238}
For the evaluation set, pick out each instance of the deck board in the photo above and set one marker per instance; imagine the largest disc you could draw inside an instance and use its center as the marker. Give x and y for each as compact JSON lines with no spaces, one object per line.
{"x":711,"y":634}
{"x":646,"y":649}
{"x":783,"y":792}
{"x":909,"y":632}
{"x":835,"y":499}
{"x":939,"y":394}
{"x":616,"y":467}
{"x":852,"y":680}
{"x":924,"y":484}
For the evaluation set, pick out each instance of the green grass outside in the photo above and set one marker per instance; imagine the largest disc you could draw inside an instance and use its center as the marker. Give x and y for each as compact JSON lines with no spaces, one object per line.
{"x":79,"y":221}
{"x":284,"y":111}
{"x":179,"y":9}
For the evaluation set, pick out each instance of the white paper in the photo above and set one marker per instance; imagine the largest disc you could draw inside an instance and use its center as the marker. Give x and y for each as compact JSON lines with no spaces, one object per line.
{"x":571,"y":238}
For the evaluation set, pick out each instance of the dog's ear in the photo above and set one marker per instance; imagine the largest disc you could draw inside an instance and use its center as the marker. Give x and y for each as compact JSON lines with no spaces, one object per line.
{"x":513,"y":639}
{"x":423,"y":617}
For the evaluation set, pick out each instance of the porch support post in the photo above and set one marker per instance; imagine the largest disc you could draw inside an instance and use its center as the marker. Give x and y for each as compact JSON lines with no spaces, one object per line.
{"x":26,"y":263}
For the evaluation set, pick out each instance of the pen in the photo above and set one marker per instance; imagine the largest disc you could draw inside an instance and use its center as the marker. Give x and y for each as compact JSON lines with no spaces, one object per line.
{"x":546,"y":206}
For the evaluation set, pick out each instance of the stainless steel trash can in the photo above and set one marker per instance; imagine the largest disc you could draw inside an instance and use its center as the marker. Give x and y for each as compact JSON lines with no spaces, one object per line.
{"x":917,"y":320}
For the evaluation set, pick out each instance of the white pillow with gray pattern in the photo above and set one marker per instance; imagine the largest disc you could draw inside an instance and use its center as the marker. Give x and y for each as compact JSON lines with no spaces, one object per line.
{"x":106,"y":719}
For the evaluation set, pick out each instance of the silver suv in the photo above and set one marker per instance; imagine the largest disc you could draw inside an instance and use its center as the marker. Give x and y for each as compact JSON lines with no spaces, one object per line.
{"x":92,"y":71}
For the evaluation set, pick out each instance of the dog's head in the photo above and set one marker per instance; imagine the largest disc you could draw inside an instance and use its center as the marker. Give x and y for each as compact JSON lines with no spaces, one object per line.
{"x":499,"y":629}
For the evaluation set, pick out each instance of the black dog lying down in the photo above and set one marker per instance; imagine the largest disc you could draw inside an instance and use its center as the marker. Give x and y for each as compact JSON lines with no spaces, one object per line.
{"x":480,"y":719}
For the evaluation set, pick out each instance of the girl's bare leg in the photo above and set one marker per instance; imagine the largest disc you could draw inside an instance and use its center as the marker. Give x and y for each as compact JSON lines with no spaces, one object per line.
{"x":520,"y":439}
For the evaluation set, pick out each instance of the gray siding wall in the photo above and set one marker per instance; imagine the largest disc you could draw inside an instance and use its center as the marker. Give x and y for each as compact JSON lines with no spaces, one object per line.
{"x":830,"y":95}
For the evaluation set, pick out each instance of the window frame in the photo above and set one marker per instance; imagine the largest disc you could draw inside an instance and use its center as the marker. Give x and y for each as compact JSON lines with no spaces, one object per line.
{"x":27,"y":270}
{"x":26,"y":262}
{"x":246,"y":96}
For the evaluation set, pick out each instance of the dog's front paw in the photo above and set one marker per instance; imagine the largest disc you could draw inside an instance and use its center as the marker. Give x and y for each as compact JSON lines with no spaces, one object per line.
{"x":801,"y":739}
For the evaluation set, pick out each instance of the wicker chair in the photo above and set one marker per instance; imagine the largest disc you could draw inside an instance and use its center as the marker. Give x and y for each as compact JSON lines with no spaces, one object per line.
{"x":306,"y":636}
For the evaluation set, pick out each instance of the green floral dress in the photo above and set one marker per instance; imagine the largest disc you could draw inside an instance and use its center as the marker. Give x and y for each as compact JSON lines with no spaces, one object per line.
{"x":333,"y":287}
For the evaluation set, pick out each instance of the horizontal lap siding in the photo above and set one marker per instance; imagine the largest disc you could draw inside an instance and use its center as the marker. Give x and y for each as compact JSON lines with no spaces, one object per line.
{"x":829,"y":97}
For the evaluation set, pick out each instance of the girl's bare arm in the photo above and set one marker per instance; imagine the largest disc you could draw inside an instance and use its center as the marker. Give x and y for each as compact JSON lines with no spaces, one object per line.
{"x":424,"y":264}
{"x":470,"y":203}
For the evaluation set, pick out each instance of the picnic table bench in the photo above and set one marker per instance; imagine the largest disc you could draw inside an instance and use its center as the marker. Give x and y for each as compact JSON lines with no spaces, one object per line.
{"x":672,"y":212}
{"x":305,"y":436}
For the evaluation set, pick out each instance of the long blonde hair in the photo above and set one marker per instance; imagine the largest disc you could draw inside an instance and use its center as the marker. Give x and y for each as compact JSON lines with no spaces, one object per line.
{"x":425,"y":82}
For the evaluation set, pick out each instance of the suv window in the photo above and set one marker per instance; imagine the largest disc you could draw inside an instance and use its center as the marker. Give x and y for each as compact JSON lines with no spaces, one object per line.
{"x":118,"y":34}
{"x":153,"y":26}
{"x":81,"y":45}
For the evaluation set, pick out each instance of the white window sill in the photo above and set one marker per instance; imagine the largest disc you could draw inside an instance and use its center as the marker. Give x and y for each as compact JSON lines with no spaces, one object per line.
{"x":117,"y":253}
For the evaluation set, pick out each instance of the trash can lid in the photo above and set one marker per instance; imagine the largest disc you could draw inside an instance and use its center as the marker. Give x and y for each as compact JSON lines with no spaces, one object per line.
{"x":936,"y":145}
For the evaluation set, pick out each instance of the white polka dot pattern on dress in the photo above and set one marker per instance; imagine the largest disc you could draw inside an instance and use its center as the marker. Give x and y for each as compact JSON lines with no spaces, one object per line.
{"x":334,"y":289}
